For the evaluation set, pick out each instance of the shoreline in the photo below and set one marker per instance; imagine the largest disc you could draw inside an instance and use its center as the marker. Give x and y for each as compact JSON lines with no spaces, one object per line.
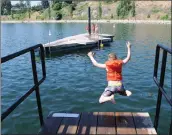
{"x":94,"y":21}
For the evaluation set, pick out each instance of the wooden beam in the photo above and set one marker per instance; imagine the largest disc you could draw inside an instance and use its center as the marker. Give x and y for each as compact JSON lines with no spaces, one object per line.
{"x":69,"y":125}
{"x":98,"y":123}
{"x":143,"y":123}
{"x":88,"y":123}
{"x":125,"y":123}
{"x":106,"y":123}
{"x":51,"y":125}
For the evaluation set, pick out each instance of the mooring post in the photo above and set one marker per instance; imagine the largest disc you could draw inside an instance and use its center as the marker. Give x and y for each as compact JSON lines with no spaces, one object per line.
{"x":89,"y":21}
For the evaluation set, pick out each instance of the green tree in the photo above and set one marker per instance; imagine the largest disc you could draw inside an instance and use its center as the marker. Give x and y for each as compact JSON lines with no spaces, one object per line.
{"x":36,"y":8}
{"x":22,"y":6}
{"x":6,"y":7}
{"x":125,"y":7}
{"x":57,"y":6}
{"x":100,"y":10}
{"x":57,"y":1}
{"x":71,"y":8}
{"x":28,"y":7}
{"x":45,"y":4}
{"x":2,"y":7}
{"x":109,"y":1}
{"x":49,"y":11}
{"x":133,"y":11}
{"x":64,"y":4}
{"x":69,"y":2}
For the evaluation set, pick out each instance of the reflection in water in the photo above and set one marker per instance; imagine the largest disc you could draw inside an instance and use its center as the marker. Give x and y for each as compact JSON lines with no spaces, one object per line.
{"x":124,"y":31}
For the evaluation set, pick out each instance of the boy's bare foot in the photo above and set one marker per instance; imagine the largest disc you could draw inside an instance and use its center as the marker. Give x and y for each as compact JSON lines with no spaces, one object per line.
{"x":125,"y":93}
{"x":128,"y":93}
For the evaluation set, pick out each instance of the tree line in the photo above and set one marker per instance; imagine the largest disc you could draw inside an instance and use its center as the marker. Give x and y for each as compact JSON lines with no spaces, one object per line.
{"x":124,"y":8}
{"x":25,"y":6}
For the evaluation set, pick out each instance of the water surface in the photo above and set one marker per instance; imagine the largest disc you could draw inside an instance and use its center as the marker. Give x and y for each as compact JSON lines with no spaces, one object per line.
{"x":73,"y":83}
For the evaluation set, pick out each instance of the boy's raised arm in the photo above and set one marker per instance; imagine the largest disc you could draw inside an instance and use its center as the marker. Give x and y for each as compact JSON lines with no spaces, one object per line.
{"x":128,"y":54}
{"x":95,"y":63}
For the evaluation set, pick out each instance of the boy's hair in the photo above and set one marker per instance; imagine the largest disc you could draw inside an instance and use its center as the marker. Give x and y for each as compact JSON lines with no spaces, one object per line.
{"x":112,"y":55}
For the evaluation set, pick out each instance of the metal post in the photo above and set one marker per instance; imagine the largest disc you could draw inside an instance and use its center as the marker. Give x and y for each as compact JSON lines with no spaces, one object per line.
{"x":156,"y":61}
{"x":12,"y":14}
{"x":42,"y":55}
{"x":89,"y":21}
{"x":49,"y":11}
{"x":164,"y":58}
{"x":37,"y":88}
{"x":170,"y":132}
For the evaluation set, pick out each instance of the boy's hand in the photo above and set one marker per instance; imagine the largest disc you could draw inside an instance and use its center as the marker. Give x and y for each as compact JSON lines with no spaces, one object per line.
{"x":128,"y":44}
{"x":90,"y":54}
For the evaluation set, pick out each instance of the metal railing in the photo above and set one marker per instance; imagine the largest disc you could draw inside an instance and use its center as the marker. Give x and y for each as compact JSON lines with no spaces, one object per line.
{"x":160,"y":84}
{"x":35,"y":78}
{"x":35,"y":88}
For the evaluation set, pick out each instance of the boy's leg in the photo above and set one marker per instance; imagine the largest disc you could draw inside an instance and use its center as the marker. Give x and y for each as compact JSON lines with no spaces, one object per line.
{"x":107,"y":96}
{"x":103,"y":99}
{"x":113,"y":99}
{"x":124,"y":92}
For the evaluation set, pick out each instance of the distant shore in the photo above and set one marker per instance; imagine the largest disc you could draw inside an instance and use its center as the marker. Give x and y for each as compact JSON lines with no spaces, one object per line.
{"x":95,"y":21}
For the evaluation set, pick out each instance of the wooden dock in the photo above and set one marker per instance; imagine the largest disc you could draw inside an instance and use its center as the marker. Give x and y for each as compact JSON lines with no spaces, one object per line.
{"x":98,"y":123}
{"x":77,"y":42}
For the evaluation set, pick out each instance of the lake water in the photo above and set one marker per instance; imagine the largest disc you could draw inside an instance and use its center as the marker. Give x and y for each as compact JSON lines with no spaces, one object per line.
{"x":73,"y":83}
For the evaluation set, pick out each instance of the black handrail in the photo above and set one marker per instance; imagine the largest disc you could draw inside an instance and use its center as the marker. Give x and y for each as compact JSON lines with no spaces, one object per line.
{"x":160,"y":84}
{"x":36,"y":82}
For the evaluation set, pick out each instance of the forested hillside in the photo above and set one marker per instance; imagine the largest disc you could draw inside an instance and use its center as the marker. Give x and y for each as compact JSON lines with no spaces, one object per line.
{"x":111,"y":9}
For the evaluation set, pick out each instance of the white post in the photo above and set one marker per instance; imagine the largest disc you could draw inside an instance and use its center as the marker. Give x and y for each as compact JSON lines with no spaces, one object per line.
{"x":114,"y":29}
{"x":49,"y":36}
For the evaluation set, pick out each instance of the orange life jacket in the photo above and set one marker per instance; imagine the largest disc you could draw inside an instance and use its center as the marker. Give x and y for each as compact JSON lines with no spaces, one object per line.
{"x":114,"y":70}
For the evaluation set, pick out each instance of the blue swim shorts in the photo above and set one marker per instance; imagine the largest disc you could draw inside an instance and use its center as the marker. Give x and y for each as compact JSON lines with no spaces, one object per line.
{"x":109,"y":90}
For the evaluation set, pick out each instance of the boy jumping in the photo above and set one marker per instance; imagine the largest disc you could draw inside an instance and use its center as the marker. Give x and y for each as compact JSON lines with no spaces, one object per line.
{"x":114,"y":75}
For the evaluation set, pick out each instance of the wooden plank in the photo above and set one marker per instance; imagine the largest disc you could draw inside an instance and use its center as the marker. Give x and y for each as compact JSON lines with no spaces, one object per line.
{"x":73,"y":115}
{"x":72,"y":123}
{"x":125,"y":123}
{"x":143,"y":123}
{"x":69,"y":125}
{"x":51,"y":124}
{"x":88,"y":123}
{"x":106,"y":123}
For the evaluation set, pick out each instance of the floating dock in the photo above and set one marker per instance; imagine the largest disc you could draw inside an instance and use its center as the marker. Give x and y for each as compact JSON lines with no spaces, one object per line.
{"x":77,"y":42}
{"x":98,"y":123}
